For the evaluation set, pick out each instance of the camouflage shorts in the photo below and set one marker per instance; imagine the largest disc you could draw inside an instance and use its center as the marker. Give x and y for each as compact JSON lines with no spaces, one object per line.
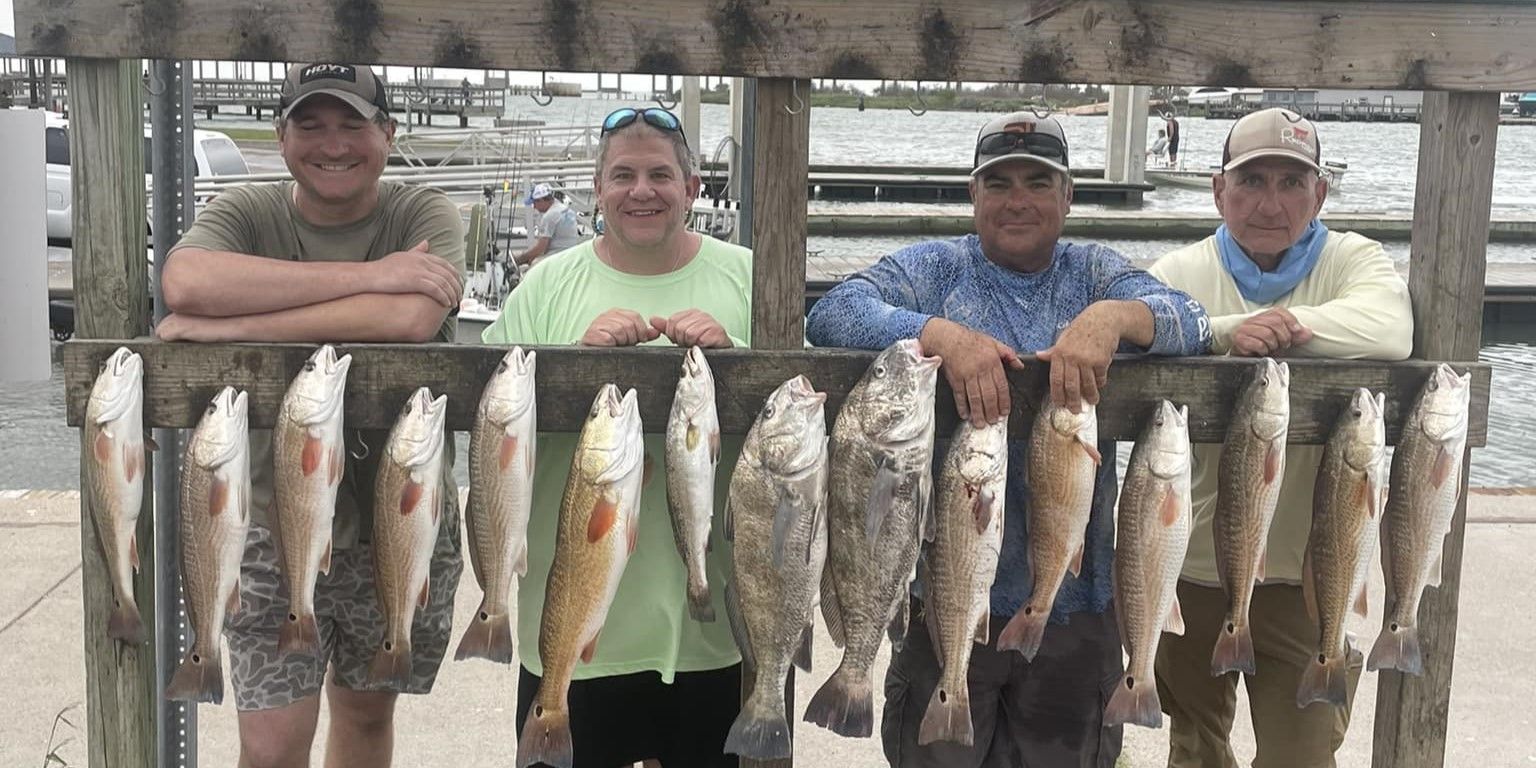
{"x":347,"y":611}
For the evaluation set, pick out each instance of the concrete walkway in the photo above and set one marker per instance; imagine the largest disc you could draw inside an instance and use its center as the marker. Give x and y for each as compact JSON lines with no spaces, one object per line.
{"x":468,"y":720}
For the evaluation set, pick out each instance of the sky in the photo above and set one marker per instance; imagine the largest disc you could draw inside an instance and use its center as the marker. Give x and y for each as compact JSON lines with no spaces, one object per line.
{"x":7,"y":21}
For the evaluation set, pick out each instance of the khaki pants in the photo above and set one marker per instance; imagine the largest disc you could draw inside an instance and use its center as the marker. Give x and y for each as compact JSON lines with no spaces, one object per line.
{"x":1201,"y":707}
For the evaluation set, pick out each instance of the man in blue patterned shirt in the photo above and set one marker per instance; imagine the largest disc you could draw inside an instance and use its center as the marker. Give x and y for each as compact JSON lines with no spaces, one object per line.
{"x":978,"y":301}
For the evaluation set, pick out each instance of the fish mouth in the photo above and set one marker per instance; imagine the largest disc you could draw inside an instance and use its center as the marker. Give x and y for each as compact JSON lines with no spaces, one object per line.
{"x":610,"y":401}
{"x":694,"y":365}
{"x":914,"y":350}
{"x":122,"y":360}
{"x":523,"y":360}
{"x":802,"y":393}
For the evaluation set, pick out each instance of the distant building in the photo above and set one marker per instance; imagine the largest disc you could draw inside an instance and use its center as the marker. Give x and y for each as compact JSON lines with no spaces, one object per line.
{"x":1527,"y":104}
{"x":7,"y":45}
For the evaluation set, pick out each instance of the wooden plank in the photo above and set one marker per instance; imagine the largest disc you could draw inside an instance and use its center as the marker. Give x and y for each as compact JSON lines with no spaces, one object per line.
{"x":112,"y":300}
{"x":1321,"y":43}
{"x":782,"y":156}
{"x":180,"y":379}
{"x":1449,"y":256}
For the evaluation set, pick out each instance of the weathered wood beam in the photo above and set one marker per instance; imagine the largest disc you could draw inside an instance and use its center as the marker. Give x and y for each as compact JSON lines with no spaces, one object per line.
{"x":180,"y":379}
{"x":112,"y":301}
{"x":1336,"y":43}
{"x":1449,"y":255}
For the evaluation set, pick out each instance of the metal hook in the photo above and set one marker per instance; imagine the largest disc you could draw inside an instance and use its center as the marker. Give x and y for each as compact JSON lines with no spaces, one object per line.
{"x":155,"y":90}
{"x":794,"y":92}
{"x":917,"y":92}
{"x":549,"y":98}
{"x":1037,"y":114}
{"x":365,"y":451}
{"x":661,"y":101}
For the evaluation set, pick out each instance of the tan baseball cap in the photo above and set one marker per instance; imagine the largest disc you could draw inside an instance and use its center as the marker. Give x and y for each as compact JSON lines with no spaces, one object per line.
{"x":1021,"y":136}
{"x":359,"y":87}
{"x":1273,"y":132}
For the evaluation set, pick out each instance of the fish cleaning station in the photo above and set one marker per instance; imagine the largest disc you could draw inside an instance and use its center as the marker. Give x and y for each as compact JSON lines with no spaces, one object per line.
{"x":1462,"y":55}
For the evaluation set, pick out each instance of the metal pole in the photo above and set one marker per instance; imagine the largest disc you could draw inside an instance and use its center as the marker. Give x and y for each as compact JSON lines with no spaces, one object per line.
{"x":173,"y":170}
{"x":748,"y":153}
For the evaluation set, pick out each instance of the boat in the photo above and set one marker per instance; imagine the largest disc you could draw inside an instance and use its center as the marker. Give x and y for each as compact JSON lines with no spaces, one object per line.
{"x":1198,"y":178}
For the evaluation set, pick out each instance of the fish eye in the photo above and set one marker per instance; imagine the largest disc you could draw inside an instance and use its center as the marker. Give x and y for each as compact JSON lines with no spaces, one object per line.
{"x":768,"y":411}
{"x":309,"y":366}
{"x":212,"y":407}
{"x":501,"y":367}
{"x":1158,"y":422}
{"x":1356,"y":412}
{"x":879,"y":371}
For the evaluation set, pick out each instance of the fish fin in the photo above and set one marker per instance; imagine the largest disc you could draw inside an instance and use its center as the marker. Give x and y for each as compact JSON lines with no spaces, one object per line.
{"x":803,"y":654}
{"x":831,"y":612}
{"x":426,"y":592}
{"x":508,"y":452}
{"x":901,"y":618}
{"x":133,"y":552}
{"x":218,"y":497}
{"x":131,"y":462}
{"x":1397,"y":647}
{"x":299,"y":635}
{"x":1234,"y":650}
{"x":783,"y":519}
{"x":1308,"y":589}
{"x":981,"y":510}
{"x":1436,"y":569}
{"x":927,"y":516}
{"x":489,"y":636}
{"x":632,"y":531}
{"x":102,"y":447}
{"x":410,"y":496}
{"x":604,"y":514}
{"x":1134,"y":702}
{"x":1362,"y":608}
{"x":149,"y":442}
{"x":1169,"y":512}
{"x":126,"y":624}
{"x":309,"y":460}
{"x":692,"y":436}
{"x":545,"y":738}
{"x":933,"y":630}
{"x":1323,"y":680}
{"x":1442,"y":469}
{"x":1091,"y":449}
{"x":589,"y":650}
{"x":845,"y":704}
{"x":882,"y":496}
{"x":714,"y":446}
{"x":338,"y":464}
{"x":198,"y":679}
{"x":1175,"y":620}
{"x":948,"y":717}
{"x":645,"y":473}
{"x":1075,"y":565}
{"x":1025,"y":631}
{"x":520,"y":566}
{"x":325,"y":559}
{"x":1272,"y":459}
{"x":728,"y":524}
{"x":232,"y":603}
{"x":983,"y":628}
{"x":739,"y":631}
{"x":1260,"y":571}
{"x":759,"y":733}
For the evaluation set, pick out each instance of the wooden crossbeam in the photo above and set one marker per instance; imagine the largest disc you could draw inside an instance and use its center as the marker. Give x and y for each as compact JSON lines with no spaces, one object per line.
{"x":180,"y":379}
{"x":1334,"y":43}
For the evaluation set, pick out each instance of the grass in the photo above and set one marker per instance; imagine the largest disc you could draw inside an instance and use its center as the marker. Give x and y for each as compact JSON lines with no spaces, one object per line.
{"x":52,"y":759}
{"x":246,"y":134}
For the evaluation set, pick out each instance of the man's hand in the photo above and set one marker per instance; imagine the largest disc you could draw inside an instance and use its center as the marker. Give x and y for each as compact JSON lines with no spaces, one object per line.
{"x":692,"y":328}
{"x":173,"y":327}
{"x":1081,"y":356}
{"x":181,"y":327}
{"x":417,"y":271}
{"x":618,"y":328}
{"x":973,"y":365}
{"x":1269,"y":332}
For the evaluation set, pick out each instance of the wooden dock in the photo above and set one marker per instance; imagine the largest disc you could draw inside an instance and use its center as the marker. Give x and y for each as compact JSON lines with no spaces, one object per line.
{"x":927,"y":184}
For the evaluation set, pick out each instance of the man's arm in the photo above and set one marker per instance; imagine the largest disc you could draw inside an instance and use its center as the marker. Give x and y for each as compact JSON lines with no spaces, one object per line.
{"x":1371,"y":317}
{"x":368,"y":317}
{"x":1179,"y":325}
{"x":877,"y":307}
{"x":539,"y":247}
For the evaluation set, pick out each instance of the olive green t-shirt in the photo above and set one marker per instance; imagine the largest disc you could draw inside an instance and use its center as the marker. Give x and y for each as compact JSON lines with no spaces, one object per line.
{"x":262,"y":220}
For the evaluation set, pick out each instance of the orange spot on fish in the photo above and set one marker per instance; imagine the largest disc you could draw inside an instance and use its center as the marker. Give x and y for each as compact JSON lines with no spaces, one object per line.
{"x":218,"y":497}
{"x":1170,"y":508}
{"x":1442,"y":469}
{"x":1271,"y":464}
{"x":508,"y":451}
{"x":633,"y":532}
{"x":410,"y":496}
{"x":102,"y":447}
{"x":312,"y":455}
{"x":604,"y":514}
{"x":131,"y":462}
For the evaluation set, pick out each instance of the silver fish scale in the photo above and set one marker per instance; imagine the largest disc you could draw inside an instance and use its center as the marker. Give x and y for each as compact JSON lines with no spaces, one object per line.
{"x":1245,"y":509}
{"x":1417,"y":518}
{"x":1340,"y":545}
{"x":1148,"y":558}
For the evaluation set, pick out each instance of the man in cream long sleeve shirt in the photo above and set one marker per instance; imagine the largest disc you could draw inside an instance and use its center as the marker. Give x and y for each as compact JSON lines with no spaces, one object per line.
{"x":1275,"y":282}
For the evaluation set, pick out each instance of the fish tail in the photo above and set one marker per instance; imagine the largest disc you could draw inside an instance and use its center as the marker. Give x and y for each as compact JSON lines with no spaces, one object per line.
{"x":546,"y":738}
{"x":1024,"y":632}
{"x":1397,"y":647}
{"x":1234,"y":649}
{"x":1134,"y":702}
{"x":391,"y":667}
{"x":1324,"y":680}
{"x":698,"y":600}
{"x":845,"y":704}
{"x":199,"y":678}
{"x":948,"y":717}
{"x":300,"y":633}
{"x":761,"y":731}
{"x":489,"y":636}
{"x":125,"y":623}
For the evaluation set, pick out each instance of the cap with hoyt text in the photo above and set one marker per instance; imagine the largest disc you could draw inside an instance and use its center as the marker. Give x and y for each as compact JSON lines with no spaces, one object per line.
{"x":359,"y":87}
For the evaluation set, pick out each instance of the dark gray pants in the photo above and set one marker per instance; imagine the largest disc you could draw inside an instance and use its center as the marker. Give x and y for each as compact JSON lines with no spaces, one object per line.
{"x":1045,"y":714}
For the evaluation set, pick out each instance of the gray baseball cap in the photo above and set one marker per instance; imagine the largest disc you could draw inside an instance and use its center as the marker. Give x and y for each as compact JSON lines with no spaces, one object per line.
{"x":359,"y":87}
{"x":1021,"y":136}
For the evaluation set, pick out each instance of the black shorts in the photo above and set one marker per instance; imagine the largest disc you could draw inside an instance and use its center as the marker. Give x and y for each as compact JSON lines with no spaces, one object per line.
{"x":617,"y":721}
{"x":1173,"y":147}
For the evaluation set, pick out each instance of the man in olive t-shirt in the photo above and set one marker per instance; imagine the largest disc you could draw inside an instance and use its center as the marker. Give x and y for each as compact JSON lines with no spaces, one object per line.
{"x":335,"y":255}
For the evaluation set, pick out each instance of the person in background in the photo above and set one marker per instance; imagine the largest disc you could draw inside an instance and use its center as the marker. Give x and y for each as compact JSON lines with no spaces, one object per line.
{"x":1159,"y":146}
{"x":556,"y":230}
{"x":1171,"y":125}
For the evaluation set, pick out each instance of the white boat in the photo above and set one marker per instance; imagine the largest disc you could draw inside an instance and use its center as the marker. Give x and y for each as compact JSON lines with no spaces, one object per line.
{"x":1192,"y":178}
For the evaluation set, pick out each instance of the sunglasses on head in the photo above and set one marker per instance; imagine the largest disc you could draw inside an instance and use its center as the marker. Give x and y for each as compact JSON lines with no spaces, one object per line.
{"x":655,"y":117}
{"x":1007,"y":142}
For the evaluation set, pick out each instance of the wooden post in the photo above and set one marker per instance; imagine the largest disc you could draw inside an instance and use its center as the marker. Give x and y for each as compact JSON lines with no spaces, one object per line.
{"x":781,"y":163}
{"x":112,"y":301}
{"x":1457,"y":136}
